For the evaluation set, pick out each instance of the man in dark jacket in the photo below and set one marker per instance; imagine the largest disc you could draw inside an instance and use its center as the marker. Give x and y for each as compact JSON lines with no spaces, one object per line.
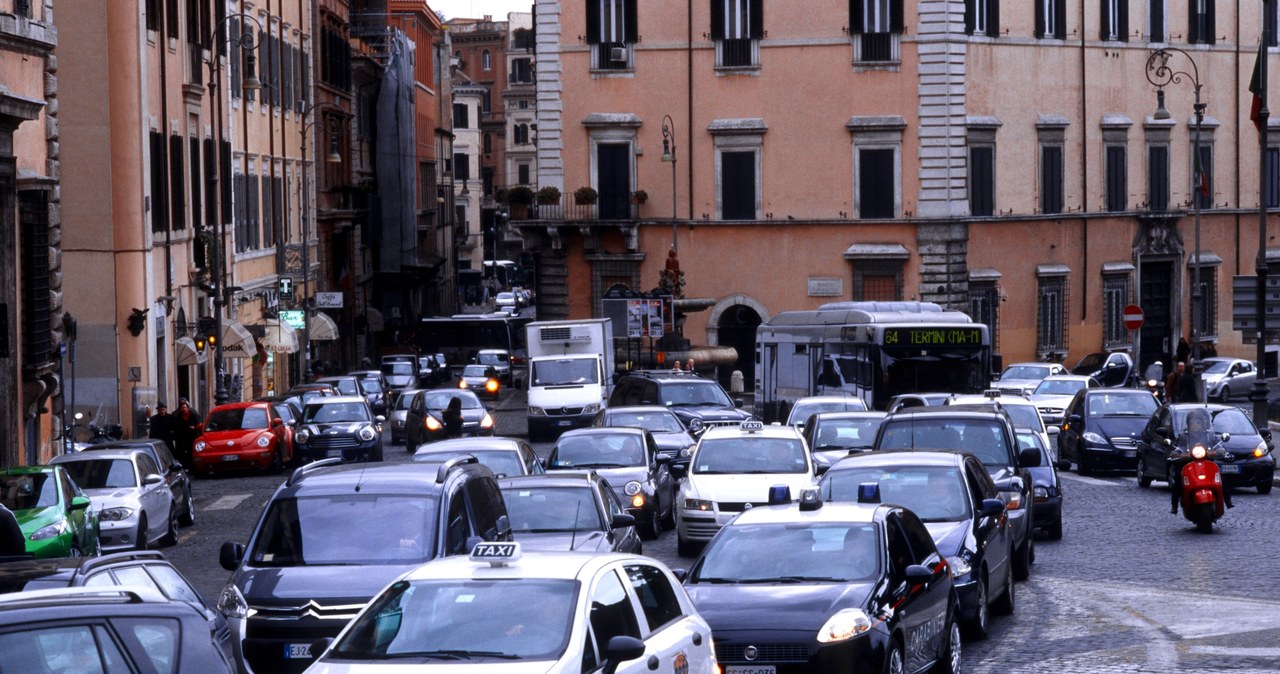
{"x":162,"y":426}
{"x":12,"y":542}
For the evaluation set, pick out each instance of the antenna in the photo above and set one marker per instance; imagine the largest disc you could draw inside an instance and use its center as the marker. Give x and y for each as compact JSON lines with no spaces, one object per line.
{"x":573,"y":539}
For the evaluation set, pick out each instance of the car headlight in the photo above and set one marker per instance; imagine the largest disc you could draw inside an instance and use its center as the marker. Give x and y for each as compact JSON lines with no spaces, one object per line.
{"x":462,"y":383}
{"x":1042,"y":492}
{"x":302,"y":435}
{"x":591,"y":409}
{"x":199,"y":446}
{"x":50,"y":531}
{"x":115,"y":514}
{"x":432,"y":424}
{"x":1012,"y":499}
{"x":264,"y":441}
{"x":537,"y":412}
{"x":697,"y":504}
{"x":231,"y":603}
{"x":1090,"y":436}
{"x":959,"y":566}
{"x":487,"y":421}
{"x":844,"y":625}
{"x":367,"y":434}
{"x":695,"y":425}
{"x":631,"y":488}
{"x":1260,"y":451}
{"x":637,"y":501}
{"x":686,"y":452}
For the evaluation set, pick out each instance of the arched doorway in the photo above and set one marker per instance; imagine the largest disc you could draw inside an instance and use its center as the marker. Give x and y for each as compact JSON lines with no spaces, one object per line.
{"x":737,"y":327}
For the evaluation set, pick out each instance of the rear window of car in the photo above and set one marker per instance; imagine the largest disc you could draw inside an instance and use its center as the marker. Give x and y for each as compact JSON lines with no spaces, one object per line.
{"x":102,"y":473}
{"x":984,"y":439}
{"x":240,"y":418}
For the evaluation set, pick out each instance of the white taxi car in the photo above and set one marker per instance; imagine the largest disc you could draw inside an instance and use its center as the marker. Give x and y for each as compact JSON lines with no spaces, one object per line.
{"x":731,"y":470}
{"x":500,"y":611}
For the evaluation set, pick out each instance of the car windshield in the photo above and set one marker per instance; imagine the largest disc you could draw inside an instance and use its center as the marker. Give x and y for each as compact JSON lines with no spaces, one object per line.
{"x":1135,"y":404}
{"x":465,"y":619}
{"x":1091,"y":362}
{"x":539,"y":510}
{"x":654,"y":422}
{"x":1059,"y":387}
{"x":371,"y":386}
{"x":333,"y":413}
{"x":1230,"y":420}
{"x":237,"y":419}
{"x":565,"y":372}
{"x":750,"y":455}
{"x":934,"y":493}
{"x":695,"y":394}
{"x":984,"y":439}
{"x":348,"y":529}
{"x":404,"y":401}
{"x":846,"y":434}
{"x":28,"y":490}
{"x":398,"y":368}
{"x":598,"y":450}
{"x":475,"y":370}
{"x":834,"y":552}
{"x":491,"y":358}
{"x":503,"y":462}
{"x":804,"y":409}
{"x":346,"y":386}
{"x":102,"y":473}
{"x":1025,"y":372}
{"x":440,"y":400}
{"x":1218,"y":367}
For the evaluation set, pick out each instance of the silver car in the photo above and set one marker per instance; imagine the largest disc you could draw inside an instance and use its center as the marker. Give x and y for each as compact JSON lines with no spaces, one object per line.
{"x":1227,"y":378}
{"x":399,"y":413}
{"x":136,"y":508}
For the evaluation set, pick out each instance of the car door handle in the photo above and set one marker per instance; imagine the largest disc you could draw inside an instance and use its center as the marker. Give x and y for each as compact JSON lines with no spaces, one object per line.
{"x":652,"y":662}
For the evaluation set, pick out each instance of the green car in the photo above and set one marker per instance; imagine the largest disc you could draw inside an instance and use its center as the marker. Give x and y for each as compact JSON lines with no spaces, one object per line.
{"x":54,"y":514}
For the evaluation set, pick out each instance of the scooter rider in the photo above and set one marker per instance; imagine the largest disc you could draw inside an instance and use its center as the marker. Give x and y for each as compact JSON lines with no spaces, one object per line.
{"x":1198,"y":433}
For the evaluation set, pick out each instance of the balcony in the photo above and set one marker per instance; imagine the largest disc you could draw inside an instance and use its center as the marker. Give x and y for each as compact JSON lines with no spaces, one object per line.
{"x":566,"y":210}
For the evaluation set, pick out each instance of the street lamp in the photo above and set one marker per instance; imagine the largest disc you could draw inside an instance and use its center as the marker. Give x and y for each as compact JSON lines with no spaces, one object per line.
{"x":218,"y":41}
{"x":1160,"y":73}
{"x":1259,"y":393}
{"x":334,"y":127}
{"x":669,"y":154}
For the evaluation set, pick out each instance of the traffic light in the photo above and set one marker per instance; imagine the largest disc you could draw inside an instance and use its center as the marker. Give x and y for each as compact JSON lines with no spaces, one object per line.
{"x":138,"y":321}
{"x":206,"y":332}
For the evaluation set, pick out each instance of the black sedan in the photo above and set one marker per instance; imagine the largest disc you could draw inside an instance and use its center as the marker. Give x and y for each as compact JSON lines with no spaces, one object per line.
{"x":628,"y":459}
{"x":832,"y":436}
{"x":956,"y":499}
{"x":569,"y":511}
{"x":673,"y":439}
{"x":839,"y":588}
{"x":1047,"y":489}
{"x":1102,"y":428}
{"x":424,"y":420}
{"x":1248,"y":460}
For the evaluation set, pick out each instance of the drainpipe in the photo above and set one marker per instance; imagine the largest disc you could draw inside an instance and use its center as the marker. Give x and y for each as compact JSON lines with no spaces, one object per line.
{"x":1084,"y":172}
{"x":688,"y":125}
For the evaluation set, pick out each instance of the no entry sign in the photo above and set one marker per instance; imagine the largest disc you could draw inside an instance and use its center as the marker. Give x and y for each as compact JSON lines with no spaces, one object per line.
{"x":1132,"y":317}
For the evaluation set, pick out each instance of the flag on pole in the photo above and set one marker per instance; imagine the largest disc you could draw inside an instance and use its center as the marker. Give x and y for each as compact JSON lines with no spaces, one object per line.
{"x":1201,"y":176}
{"x":1255,"y":88}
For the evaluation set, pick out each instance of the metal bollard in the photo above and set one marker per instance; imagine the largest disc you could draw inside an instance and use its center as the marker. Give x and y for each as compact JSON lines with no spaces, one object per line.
{"x":735,"y":382}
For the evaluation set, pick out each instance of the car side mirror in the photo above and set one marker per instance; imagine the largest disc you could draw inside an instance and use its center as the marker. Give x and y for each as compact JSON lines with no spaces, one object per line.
{"x":992,"y":507}
{"x":620,"y":649}
{"x":738,"y":402}
{"x":1266,"y":434}
{"x":918,"y":573}
{"x":176,"y":466}
{"x":1075,"y":419}
{"x":622,"y":520}
{"x":1226,"y":437}
{"x":152,"y":478}
{"x":79,"y":502}
{"x":379,"y":418}
{"x":277,"y":422}
{"x":230,"y":555}
{"x":1029,"y":457}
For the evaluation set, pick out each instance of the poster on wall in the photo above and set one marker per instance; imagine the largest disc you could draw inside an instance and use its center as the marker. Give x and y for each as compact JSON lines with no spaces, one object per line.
{"x":644,"y":318}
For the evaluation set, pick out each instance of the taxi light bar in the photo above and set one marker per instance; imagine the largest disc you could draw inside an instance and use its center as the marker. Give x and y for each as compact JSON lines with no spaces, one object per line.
{"x":869,"y":492}
{"x":496,"y":553}
{"x":991,"y":393}
{"x":751,"y":426}
{"x":779,"y":494}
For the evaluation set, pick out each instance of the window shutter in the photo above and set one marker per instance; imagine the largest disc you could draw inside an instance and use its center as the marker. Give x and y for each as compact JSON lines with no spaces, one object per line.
{"x":632,"y":35}
{"x":593,"y":21}
{"x":1039,"y":20}
{"x":1193,"y":32}
{"x":969,"y":22}
{"x":1060,"y":19}
{"x":757,"y":19}
{"x":177,"y":202}
{"x":855,"y":17}
{"x":197,"y":212}
{"x":1210,"y":22}
{"x":1122,"y":22}
{"x":1104,"y":10}
{"x":224,"y":154}
{"x":159,"y":193}
{"x":1157,"y":20}
{"x":895,"y":16}
{"x":717,"y":19}
{"x":993,"y":18}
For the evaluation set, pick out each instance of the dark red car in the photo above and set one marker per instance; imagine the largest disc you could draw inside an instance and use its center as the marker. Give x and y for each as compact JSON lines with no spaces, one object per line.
{"x":237,"y":436}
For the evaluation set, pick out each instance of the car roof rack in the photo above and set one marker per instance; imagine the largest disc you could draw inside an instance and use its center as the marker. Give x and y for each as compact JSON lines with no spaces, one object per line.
{"x":450,"y":464}
{"x":131,"y":594}
{"x":303,"y":471}
{"x":91,"y":563}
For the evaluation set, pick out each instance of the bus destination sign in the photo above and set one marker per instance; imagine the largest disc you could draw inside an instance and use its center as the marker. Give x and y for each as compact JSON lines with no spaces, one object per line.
{"x":939,"y":336}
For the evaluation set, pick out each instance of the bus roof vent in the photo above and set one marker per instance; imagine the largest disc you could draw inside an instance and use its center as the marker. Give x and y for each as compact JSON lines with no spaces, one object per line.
{"x":564,"y":333}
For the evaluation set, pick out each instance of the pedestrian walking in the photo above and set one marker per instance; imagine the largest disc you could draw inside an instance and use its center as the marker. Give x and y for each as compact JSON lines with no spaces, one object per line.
{"x":185,"y":431}
{"x":12,"y":542}
{"x":161,"y":426}
{"x":1173,"y":383}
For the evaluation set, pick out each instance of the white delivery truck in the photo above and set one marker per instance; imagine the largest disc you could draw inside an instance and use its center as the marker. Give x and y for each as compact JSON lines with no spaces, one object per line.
{"x":570,"y":373}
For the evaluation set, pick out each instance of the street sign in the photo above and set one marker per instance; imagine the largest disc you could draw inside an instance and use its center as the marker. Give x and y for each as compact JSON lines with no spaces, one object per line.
{"x":286,"y":288}
{"x":328,"y":300}
{"x":1132,"y":317}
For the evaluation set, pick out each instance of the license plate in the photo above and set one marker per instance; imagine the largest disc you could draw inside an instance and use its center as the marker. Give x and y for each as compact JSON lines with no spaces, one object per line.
{"x":563,"y":423}
{"x":297,"y":651}
{"x":1230,"y":468}
{"x":230,"y":457}
{"x":751,"y":669}
{"x":334,"y":454}
{"x":1130,"y":453}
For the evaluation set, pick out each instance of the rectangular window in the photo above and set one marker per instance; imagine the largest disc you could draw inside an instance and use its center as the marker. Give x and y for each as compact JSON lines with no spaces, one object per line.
{"x":1269,"y":19}
{"x":1158,"y":177}
{"x":241,"y":211}
{"x":735,"y":25}
{"x":171,"y":16}
{"x":877,"y":280}
{"x":1051,"y":316}
{"x":1155,"y":20}
{"x":1117,"y":180}
{"x":177,"y":201}
{"x":875,"y":183}
{"x":611,"y":29}
{"x":461,"y":167}
{"x":1050,"y":179}
{"x":233,"y":28}
{"x":738,"y":185}
{"x":1115,"y":296}
{"x":1273,"y":177}
{"x":984,"y":307}
{"x":1201,"y":26}
{"x":1051,"y":19}
{"x":276,"y":232}
{"x":1115,"y":20}
{"x":521,"y":71}
{"x":159,"y":175}
{"x":33,"y":221}
{"x":982,"y":184}
{"x":153,"y":14}
{"x":197,"y":212}
{"x":460,"y":116}
{"x":1202,"y":177}
{"x":982,"y":17}
{"x":522,"y":173}
{"x":210,"y":183}
{"x":876,"y":26}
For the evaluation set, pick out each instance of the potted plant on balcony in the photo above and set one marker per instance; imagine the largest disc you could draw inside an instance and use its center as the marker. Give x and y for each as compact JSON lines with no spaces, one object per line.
{"x":585,"y":196}
{"x":520,"y":195}
{"x":549,"y":195}
{"x":639,"y":197}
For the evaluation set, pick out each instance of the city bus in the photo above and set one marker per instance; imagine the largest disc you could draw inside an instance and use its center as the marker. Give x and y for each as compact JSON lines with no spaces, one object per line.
{"x":459,"y":337}
{"x":872,"y":350}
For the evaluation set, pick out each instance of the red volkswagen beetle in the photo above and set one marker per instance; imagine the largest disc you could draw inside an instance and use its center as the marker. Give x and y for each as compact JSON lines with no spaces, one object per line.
{"x":237,"y":436}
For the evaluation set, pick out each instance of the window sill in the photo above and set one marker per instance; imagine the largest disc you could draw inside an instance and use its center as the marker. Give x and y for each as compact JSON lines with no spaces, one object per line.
{"x":874,"y":66}
{"x":730,"y":71}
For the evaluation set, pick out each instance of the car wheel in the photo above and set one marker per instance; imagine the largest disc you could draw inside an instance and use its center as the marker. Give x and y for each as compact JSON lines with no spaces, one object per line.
{"x":649,"y":528}
{"x":1005,"y":604}
{"x":1144,"y":480}
{"x":949,"y":658}
{"x":687,"y":548}
{"x":1022,"y":560}
{"x":979,"y":626}
{"x":1082,"y":468}
{"x":142,"y":542}
{"x":376,"y":454}
{"x":1055,"y":529}
{"x":170,"y":537}
{"x":188,"y":517}
{"x":1265,"y":487}
{"x":277,"y":462}
{"x":893,"y":659}
{"x":669,"y":520}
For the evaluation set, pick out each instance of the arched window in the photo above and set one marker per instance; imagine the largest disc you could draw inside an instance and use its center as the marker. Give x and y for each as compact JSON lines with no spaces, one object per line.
{"x":484,"y":60}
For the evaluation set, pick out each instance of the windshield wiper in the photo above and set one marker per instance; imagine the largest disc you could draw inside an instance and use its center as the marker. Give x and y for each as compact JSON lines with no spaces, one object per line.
{"x":601,"y":465}
{"x":807,"y":579}
{"x":461,"y":654}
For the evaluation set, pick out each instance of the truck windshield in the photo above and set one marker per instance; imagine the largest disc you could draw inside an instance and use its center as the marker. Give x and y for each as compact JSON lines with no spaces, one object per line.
{"x":565,"y":371}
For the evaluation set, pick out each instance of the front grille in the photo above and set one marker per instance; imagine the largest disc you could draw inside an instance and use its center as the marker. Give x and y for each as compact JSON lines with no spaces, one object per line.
{"x":1125,"y":443}
{"x":333,"y":442}
{"x":723,"y":424}
{"x":726,"y":507}
{"x":563,"y":411}
{"x":765,"y":653}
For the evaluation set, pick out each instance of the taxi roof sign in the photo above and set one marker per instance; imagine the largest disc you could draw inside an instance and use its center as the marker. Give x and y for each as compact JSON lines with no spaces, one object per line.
{"x":496,"y":553}
{"x":751,"y":426}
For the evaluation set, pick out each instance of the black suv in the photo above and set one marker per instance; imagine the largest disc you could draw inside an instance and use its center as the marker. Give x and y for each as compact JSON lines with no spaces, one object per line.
{"x":698,"y":402}
{"x":987,"y":432}
{"x":334,"y":535}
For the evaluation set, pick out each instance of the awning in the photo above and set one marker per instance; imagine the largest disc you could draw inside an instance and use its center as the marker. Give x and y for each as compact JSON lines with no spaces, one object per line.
{"x":185,"y":348}
{"x":279,"y":337}
{"x":236,"y":341}
{"x":323,"y":329}
{"x":374,"y":317}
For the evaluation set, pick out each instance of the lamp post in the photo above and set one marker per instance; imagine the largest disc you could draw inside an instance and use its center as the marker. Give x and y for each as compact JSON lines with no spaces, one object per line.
{"x":217,"y":44}
{"x":669,"y":154}
{"x":1160,"y":73}
{"x":1259,"y":393}
{"x":334,"y":127}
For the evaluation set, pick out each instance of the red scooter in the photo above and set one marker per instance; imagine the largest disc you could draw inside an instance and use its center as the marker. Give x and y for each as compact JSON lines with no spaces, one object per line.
{"x":1201,"y":498}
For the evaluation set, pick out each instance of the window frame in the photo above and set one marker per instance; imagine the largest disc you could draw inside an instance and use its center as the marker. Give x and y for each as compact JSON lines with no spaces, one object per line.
{"x":876,"y":133}
{"x":1114,"y":21}
{"x":1052,"y":306}
{"x":1117,"y":293}
{"x":1051,"y":20}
